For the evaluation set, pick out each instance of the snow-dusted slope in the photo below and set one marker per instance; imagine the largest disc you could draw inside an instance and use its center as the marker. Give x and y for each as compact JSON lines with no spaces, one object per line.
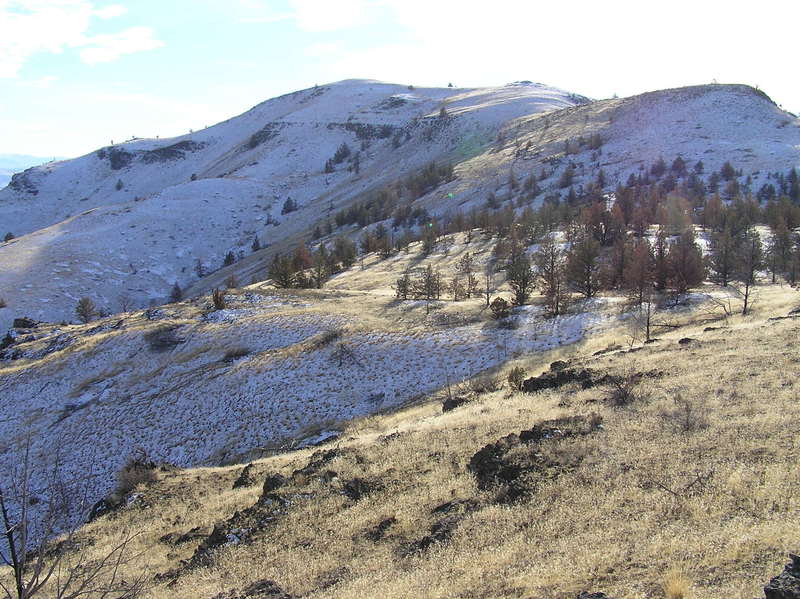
{"x":711,"y":123}
{"x":193,"y":386}
{"x":134,"y":218}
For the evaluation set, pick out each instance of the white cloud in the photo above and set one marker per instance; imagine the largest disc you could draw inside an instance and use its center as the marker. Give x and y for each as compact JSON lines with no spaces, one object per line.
{"x":324,"y":15}
{"x":109,"y":47}
{"x":31,"y":27}
{"x":314,"y":16}
{"x":110,"y":12}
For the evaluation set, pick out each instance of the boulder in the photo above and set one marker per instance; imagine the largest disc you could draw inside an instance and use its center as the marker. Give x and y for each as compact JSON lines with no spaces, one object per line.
{"x":273,"y":482}
{"x":451,"y":403}
{"x":787,"y":584}
{"x":24,"y":323}
{"x":246,"y":477}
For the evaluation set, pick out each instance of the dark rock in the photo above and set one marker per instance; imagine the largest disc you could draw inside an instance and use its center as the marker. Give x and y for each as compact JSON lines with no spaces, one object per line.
{"x":558,"y":365}
{"x":441,"y":531}
{"x":246,"y":477}
{"x":787,"y":584}
{"x":332,"y":578}
{"x":558,"y":378}
{"x":358,"y":487}
{"x":7,"y":341}
{"x":25,"y":323}
{"x":513,"y":464}
{"x":686,"y":341}
{"x":376,"y":533}
{"x":175,"y":538}
{"x":273,"y":482}
{"x":451,"y":403}
{"x":103,"y":507}
{"x":457,"y":505}
{"x":174,"y":152}
{"x":708,"y":329}
{"x":587,"y":595}
{"x":119,"y":158}
{"x":265,"y":589}
{"x":317,"y":460}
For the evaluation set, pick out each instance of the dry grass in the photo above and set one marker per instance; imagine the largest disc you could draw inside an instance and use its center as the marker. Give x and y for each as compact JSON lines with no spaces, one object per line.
{"x":701,"y":472}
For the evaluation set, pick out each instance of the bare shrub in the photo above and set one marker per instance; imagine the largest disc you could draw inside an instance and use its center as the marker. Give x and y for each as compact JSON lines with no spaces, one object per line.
{"x":482,"y":384}
{"x":625,"y":388}
{"x":40,"y":566}
{"x":163,"y":339}
{"x":344,"y":354}
{"x":686,"y":416}
{"x":326,"y":338}
{"x":138,"y":470}
{"x":516,"y":377}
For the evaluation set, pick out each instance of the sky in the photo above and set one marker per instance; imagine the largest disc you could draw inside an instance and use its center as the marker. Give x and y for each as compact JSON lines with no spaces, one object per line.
{"x":77,"y":74}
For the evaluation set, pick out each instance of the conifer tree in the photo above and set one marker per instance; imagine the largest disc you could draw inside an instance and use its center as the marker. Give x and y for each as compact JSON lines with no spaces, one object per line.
{"x":583,"y":266}
{"x":749,"y":261}
{"x":722,"y":256}
{"x":685,"y":264}
{"x":550,"y":262}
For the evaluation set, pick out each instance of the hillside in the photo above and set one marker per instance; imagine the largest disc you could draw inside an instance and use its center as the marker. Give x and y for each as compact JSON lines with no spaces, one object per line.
{"x":138,"y":199}
{"x":160,"y":227}
{"x":683,"y":485}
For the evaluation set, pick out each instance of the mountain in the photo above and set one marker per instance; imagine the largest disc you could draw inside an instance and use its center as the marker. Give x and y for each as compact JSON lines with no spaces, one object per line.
{"x":133,"y":219}
{"x":137,"y":217}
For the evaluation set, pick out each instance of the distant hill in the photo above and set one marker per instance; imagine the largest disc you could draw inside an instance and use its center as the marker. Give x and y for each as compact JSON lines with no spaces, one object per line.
{"x":15,"y":163}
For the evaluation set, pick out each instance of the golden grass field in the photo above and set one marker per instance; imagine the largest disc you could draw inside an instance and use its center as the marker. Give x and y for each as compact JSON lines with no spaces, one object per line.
{"x":691,"y":490}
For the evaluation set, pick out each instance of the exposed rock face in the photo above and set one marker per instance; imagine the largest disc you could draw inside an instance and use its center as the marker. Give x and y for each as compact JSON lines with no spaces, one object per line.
{"x":560,"y":376}
{"x":246,"y":478}
{"x":514,"y":464}
{"x":451,"y":403}
{"x":262,"y":589}
{"x":787,"y":584}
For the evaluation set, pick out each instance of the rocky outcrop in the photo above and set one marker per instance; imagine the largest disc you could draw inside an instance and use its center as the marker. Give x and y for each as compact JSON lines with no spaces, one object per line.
{"x":787,"y":584}
{"x":514,"y":464}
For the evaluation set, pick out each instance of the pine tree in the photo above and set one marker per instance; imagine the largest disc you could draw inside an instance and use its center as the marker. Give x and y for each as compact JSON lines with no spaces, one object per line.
{"x":256,"y":244}
{"x":230,"y":258}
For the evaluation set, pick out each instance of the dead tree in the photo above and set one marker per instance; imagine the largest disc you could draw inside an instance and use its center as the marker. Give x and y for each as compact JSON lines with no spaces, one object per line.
{"x":39,"y":537}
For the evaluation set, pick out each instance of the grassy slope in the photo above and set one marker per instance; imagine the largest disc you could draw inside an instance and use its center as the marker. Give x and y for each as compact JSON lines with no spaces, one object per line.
{"x":616,"y":518}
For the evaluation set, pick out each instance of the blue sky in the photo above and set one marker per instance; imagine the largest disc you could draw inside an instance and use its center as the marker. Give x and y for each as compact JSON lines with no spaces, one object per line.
{"x":76,"y":74}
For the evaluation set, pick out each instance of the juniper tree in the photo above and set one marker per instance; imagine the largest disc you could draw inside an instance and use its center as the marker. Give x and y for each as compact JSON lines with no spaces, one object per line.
{"x":583,"y":266}
{"x":685,"y":264}
{"x":85,"y":309}
{"x":722,"y":256}
{"x":638,"y":276}
{"x":749,"y":261}
{"x":520,"y":277}
{"x":176,"y":294}
{"x":550,"y":262}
